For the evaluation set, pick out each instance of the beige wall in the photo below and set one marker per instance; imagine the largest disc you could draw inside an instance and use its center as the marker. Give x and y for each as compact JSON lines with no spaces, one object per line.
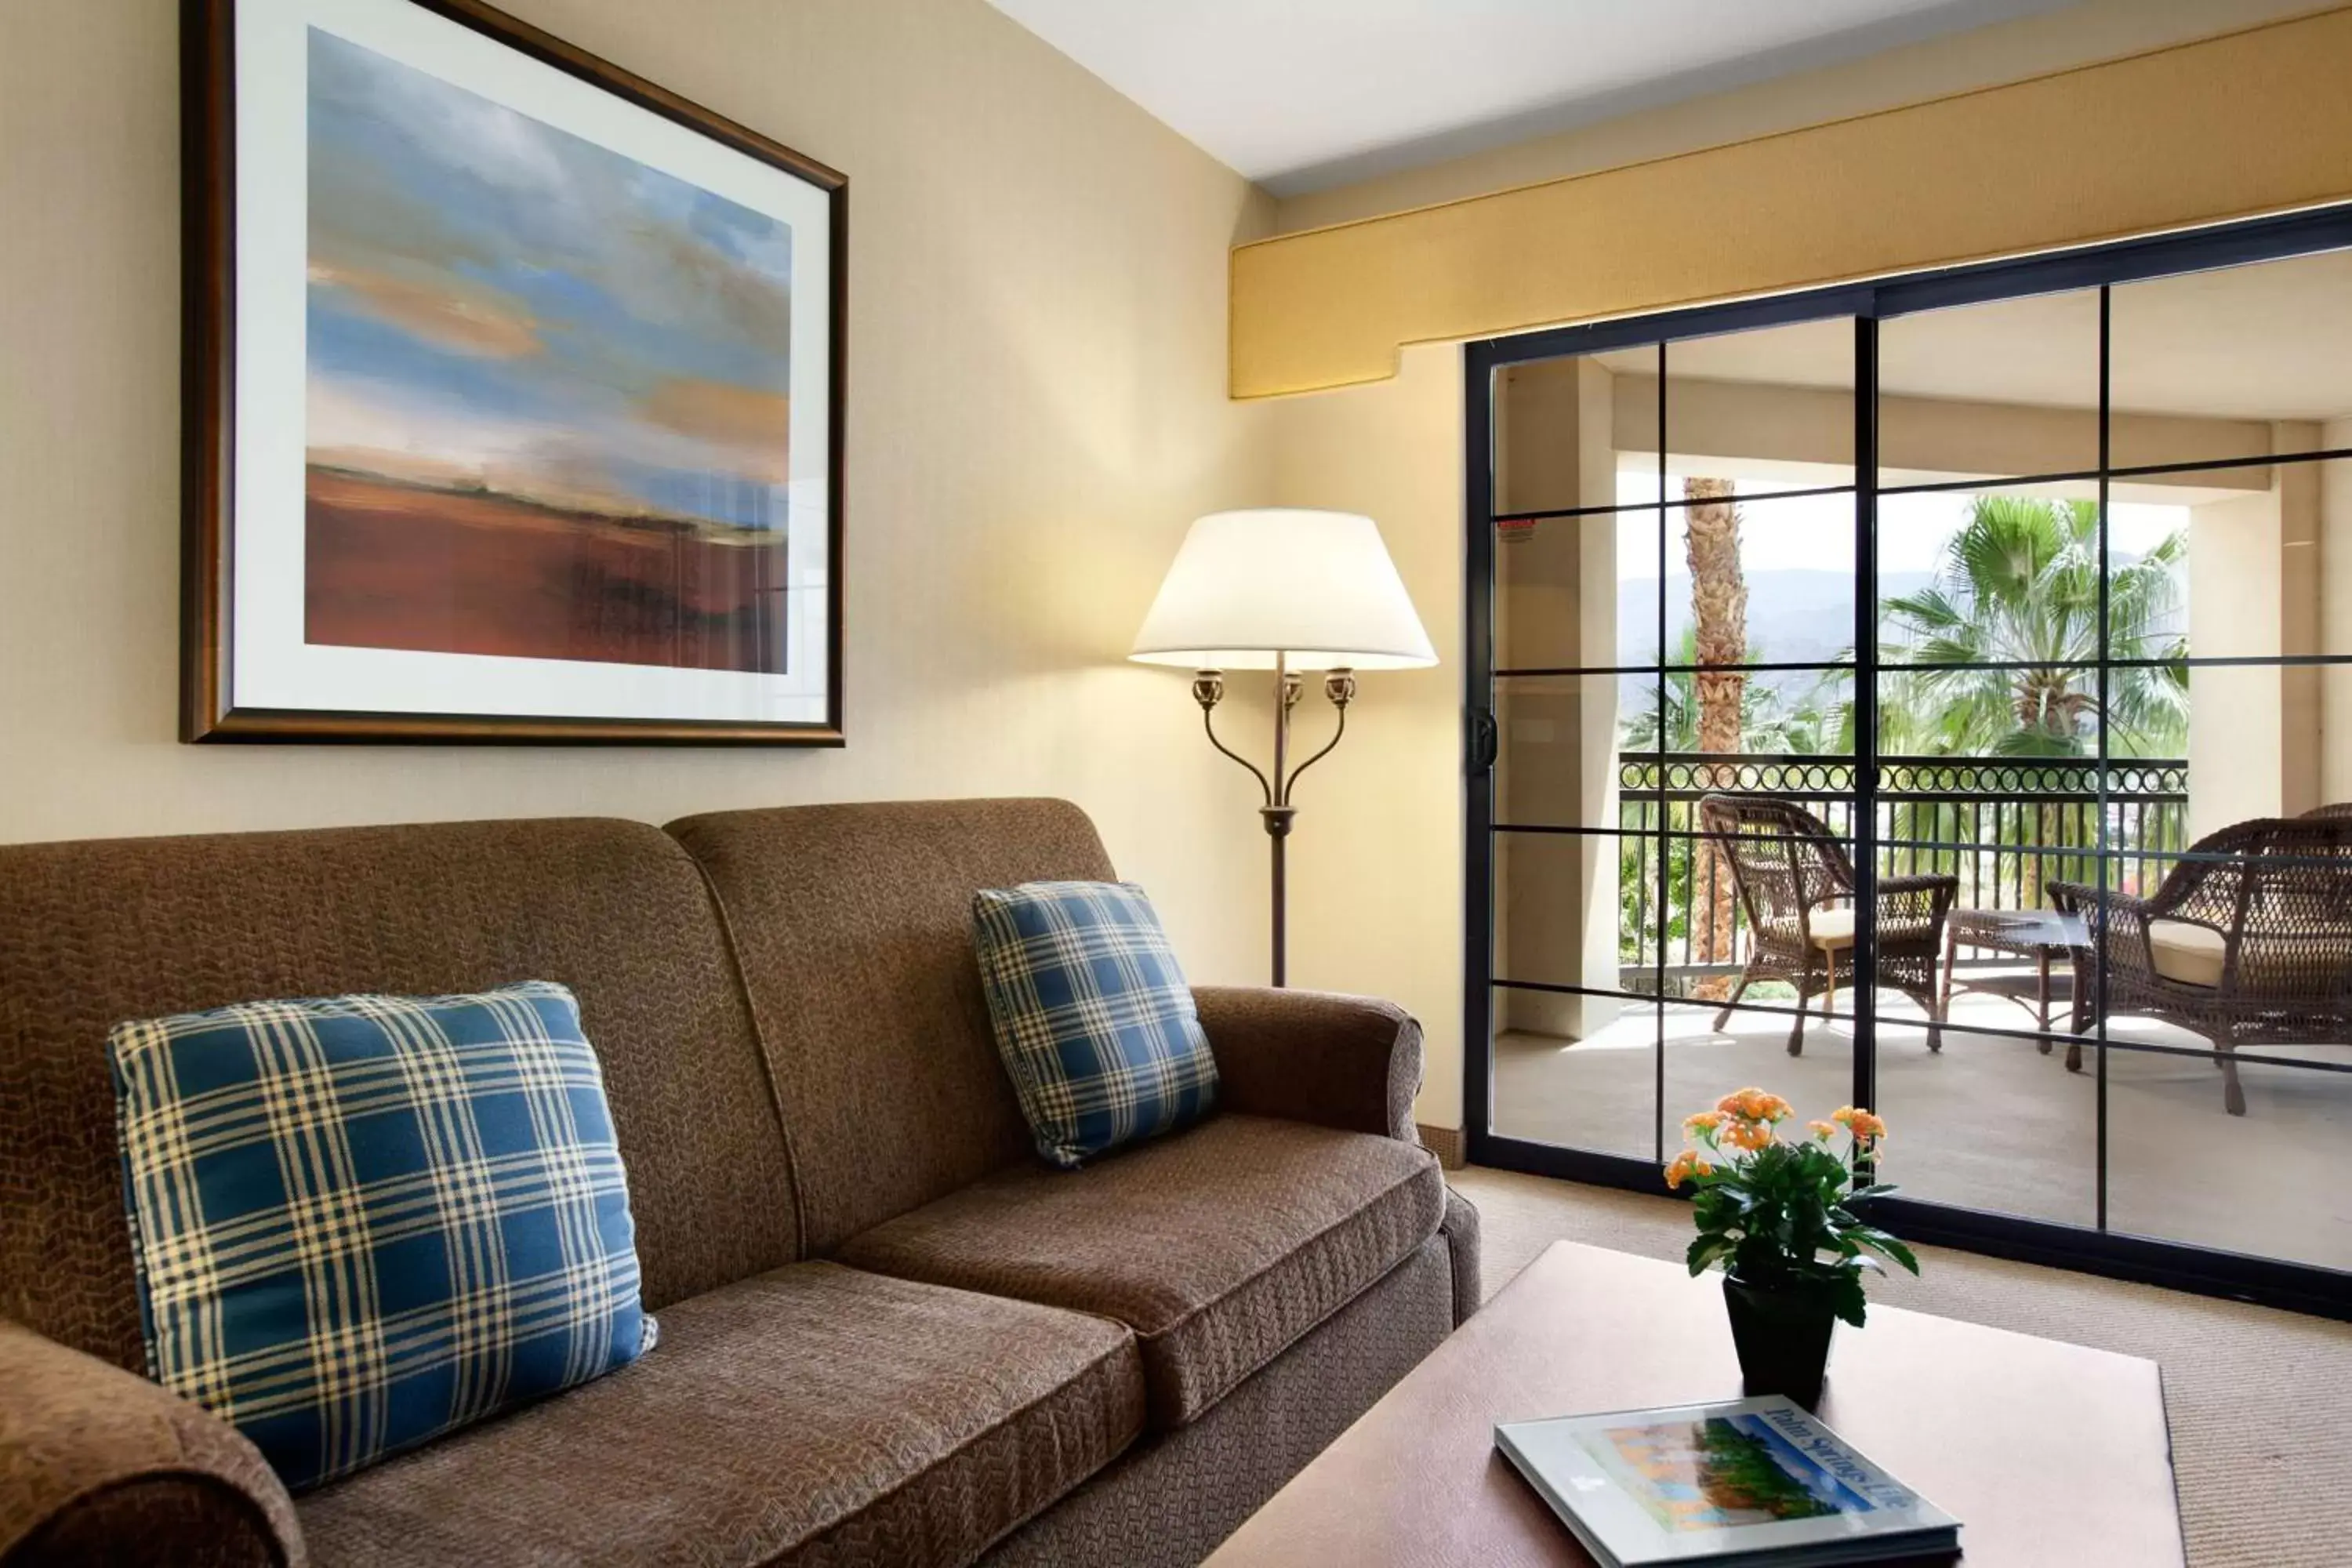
{"x":1403,"y":463}
{"x":1035,"y":409}
{"x":1376,"y":862}
{"x":2235,"y":746}
{"x":1037,"y":372}
{"x":2260,"y":744}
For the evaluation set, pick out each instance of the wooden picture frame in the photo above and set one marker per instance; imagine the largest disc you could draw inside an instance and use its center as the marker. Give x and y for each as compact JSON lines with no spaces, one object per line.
{"x":526,"y":505}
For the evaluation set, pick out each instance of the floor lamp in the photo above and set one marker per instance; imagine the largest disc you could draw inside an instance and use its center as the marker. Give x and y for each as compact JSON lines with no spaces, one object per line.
{"x":1286,"y":590}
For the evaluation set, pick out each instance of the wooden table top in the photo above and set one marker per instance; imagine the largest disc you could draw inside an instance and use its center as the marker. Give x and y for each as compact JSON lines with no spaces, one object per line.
{"x":2047,"y":1453}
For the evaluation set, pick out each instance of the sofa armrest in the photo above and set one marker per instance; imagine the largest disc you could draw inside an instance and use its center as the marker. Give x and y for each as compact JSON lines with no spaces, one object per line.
{"x":1460,"y":1229}
{"x":1348,"y":1062}
{"x":98,"y":1464}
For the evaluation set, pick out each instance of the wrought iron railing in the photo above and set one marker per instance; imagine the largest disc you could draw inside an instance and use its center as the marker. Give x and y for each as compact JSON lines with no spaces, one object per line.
{"x":2007,"y":827}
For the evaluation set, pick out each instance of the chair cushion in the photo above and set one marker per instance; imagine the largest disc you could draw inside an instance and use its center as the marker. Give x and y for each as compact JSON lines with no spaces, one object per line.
{"x":362,"y":1222}
{"x":1219,"y":1247}
{"x":811,"y":1415}
{"x":1093,"y":1018}
{"x":1831,"y":928}
{"x":2187,"y":953}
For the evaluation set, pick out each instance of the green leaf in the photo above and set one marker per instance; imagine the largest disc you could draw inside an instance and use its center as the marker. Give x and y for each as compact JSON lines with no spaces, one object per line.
{"x":1880,"y":1241}
{"x":1897,"y":1251}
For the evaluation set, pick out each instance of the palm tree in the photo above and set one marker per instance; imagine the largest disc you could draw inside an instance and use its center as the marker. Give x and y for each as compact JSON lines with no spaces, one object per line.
{"x":1771,"y":720}
{"x":2013,"y":620}
{"x":1820,"y":722}
{"x":2014,"y":615}
{"x":1720,"y":636}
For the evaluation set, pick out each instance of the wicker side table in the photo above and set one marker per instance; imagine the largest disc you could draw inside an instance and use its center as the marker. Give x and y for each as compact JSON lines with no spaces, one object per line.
{"x":2040,"y":935}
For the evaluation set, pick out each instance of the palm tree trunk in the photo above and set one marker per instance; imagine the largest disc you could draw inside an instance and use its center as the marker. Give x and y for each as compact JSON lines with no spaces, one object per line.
{"x":1719,"y":619}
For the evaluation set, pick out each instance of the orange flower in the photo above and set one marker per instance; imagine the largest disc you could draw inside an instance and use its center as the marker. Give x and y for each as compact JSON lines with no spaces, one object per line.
{"x":1702,"y":1125}
{"x":1865,"y":1127}
{"x":1753,"y":1105}
{"x":1687,"y":1164}
{"x":1824,"y":1130}
{"x":1748,"y":1135}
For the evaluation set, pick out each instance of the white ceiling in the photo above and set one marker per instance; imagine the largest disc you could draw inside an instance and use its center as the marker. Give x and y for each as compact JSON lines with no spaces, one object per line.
{"x":1300,"y":95}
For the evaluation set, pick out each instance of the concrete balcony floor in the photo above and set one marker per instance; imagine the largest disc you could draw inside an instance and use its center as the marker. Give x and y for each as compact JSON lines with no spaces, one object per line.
{"x":1991,"y":1123}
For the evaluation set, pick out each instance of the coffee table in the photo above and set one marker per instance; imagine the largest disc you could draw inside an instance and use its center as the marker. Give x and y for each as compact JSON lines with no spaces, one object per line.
{"x":2038,"y":934}
{"x":2048,"y":1453}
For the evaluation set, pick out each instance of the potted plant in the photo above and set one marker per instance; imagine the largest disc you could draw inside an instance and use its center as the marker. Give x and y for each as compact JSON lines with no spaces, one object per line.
{"x":1773,"y":1212}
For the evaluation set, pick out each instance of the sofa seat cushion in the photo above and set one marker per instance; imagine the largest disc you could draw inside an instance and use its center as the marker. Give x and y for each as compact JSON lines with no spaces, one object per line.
{"x":814,"y":1414}
{"x":1219,"y":1247}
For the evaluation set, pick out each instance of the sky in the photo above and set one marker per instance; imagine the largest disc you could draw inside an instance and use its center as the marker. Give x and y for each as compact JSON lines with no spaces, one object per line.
{"x":494,"y":302}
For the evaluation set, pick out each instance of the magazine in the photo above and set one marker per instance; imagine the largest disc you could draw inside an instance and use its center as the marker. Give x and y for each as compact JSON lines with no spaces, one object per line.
{"x":1752,"y":1482}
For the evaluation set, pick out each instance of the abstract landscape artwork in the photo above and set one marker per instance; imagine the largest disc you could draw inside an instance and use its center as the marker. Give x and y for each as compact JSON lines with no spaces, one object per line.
{"x":555,"y":394}
{"x":548,"y":387}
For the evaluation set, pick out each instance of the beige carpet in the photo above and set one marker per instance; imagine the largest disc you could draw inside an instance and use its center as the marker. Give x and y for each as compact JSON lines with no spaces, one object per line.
{"x":2260,"y":1402}
{"x":1990,"y":1124}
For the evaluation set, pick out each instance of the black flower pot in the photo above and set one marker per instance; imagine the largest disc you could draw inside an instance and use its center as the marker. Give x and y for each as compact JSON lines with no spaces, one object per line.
{"x":1783,"y":1339}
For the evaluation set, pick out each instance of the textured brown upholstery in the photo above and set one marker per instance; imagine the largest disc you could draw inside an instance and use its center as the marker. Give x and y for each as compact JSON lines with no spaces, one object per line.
{"x":854,"y":926}
{"x":1340,"y":1062}
{"x":815,"y":1415}
{"x":94,"y":932}
{"x":1219,"y":1245}
{"x":827,"y":1081}
{"x":1461,"y":1238}
{"x":1177,"y":1494}
{"x":93,"y":1458}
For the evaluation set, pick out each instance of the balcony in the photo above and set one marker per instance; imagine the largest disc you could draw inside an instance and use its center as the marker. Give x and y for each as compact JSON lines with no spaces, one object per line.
{"x":2006,"y":828}
{"x":1994,"y":1119}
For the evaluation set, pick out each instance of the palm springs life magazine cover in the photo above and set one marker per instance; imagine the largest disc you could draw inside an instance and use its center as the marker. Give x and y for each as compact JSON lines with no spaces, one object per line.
{"x":1756,"y":1481}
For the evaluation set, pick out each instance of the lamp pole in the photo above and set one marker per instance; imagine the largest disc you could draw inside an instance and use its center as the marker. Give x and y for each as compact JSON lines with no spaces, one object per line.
{"x":1339,"y":687}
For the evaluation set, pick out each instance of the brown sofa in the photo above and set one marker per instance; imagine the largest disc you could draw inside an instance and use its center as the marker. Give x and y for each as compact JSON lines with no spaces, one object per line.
{"x":889,"y":1335}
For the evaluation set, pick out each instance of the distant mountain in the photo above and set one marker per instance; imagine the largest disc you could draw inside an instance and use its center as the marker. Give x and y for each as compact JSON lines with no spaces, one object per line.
{"x":1793,"y":617}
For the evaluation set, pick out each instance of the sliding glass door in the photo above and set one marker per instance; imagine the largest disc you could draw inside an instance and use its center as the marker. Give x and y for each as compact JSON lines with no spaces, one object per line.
{"x":1931,"y":696}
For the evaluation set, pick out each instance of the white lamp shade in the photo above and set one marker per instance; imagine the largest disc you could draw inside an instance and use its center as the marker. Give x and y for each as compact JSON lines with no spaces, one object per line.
{"x":1316,"y":586}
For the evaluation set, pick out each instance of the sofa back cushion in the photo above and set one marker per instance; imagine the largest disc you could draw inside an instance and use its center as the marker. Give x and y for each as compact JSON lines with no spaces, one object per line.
{"x":96,"y":932}
{"x":853,"y":925}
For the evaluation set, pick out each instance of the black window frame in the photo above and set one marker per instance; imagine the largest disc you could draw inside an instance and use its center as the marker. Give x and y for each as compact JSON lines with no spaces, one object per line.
{"x":2277,"y":1282}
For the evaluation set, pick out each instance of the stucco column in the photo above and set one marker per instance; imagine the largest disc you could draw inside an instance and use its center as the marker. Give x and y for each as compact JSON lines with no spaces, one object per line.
{"x":1556,"y":606}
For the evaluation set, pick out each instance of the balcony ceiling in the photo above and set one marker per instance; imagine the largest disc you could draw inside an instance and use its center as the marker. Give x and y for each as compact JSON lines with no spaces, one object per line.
{"x":2267,"y":341}
{"x":1301,"y":95}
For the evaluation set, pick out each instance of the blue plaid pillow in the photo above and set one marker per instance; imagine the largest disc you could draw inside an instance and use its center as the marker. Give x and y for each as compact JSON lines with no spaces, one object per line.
{"x":361,"y":1223}
{"x":1093,"y":1018}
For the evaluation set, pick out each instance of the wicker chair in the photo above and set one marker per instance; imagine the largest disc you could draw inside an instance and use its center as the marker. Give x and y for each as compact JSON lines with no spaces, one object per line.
{"x":2248,"y":941}
{"x":1796,"y":886}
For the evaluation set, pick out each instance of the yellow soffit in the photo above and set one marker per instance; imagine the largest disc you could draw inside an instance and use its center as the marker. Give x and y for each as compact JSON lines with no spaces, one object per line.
{"x":2250,"y":122}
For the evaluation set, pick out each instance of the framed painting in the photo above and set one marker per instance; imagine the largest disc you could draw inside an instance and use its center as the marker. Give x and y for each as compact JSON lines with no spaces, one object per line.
{"x":513,"y":393}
